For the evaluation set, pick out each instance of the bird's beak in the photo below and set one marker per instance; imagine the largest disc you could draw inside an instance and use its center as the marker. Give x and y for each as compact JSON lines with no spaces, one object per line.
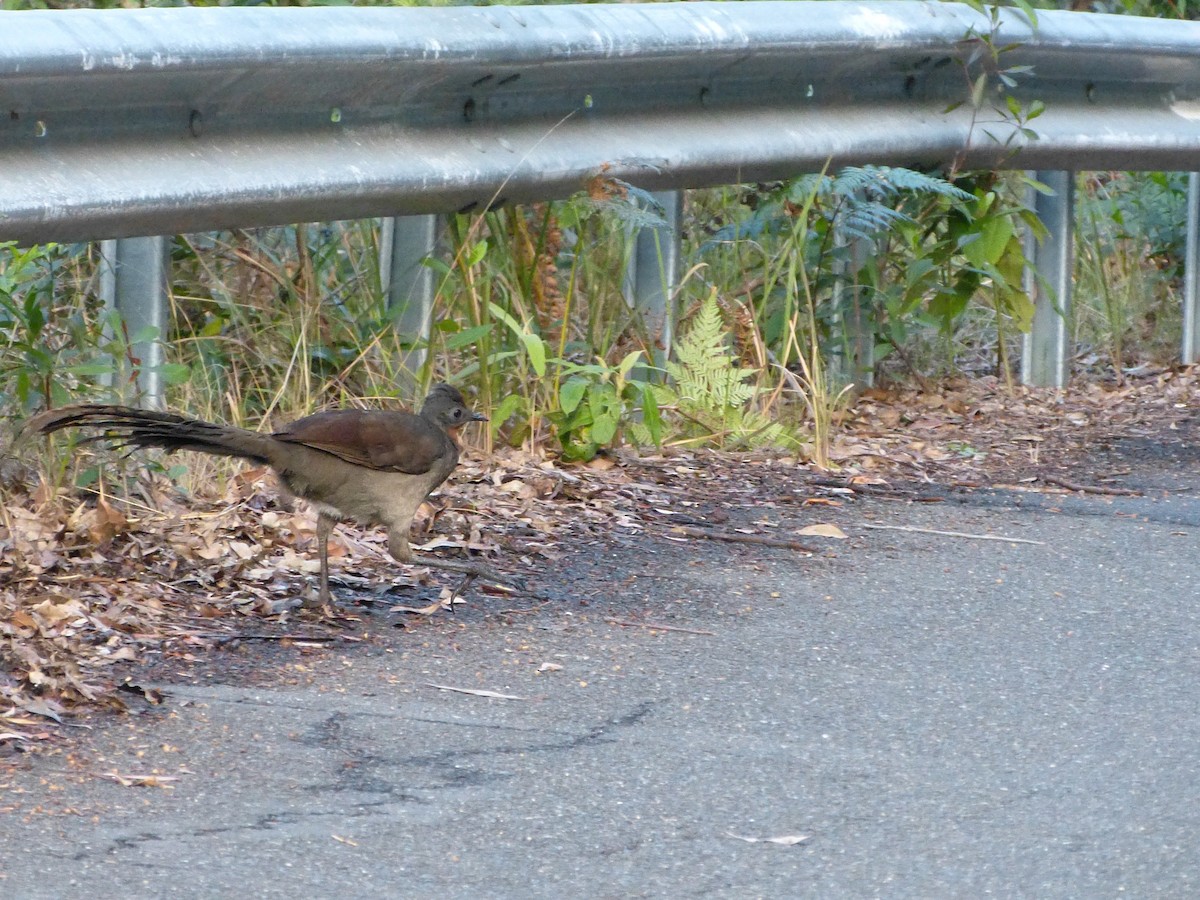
{"x":478,"y":417}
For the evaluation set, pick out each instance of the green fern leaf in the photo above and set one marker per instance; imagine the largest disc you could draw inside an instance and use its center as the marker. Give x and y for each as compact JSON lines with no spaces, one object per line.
{"x":711,"y":391}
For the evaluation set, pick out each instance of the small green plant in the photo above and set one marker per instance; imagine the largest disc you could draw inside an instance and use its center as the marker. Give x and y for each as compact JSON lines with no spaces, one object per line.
{"x":711,"y":394}
{"x":821,"y":394}
{"x":898,"y":254}
{"x":54,"y":351}
{"x":35,"y":363}
{"x":1128,"y":255}
{"x":988,"y":84}
{"x":596,"y":402}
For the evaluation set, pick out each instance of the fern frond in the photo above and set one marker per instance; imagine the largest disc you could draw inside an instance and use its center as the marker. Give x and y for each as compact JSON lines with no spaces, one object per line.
{"x":885,"y":182}
{"x":767,"y":219}
{"x":710,"y":390}
{"x":806,"y":186}
{"x":868,"y":220}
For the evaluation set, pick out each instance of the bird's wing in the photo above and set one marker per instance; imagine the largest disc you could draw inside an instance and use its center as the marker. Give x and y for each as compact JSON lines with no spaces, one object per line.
{"x":389,"y":441}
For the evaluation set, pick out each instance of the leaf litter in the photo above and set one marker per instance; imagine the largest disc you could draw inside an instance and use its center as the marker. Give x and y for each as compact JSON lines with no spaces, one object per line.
{"x":93,"y":586}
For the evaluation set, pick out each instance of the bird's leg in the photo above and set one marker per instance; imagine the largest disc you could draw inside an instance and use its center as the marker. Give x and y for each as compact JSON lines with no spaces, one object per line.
{"x":324,"y":527}
{"x":398,"y":547}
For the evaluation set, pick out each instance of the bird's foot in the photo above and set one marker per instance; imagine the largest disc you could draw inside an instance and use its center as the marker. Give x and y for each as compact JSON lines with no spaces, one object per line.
{"x":462,"y":586}
{"x":472,"y":571}
{"x":315,"y":599}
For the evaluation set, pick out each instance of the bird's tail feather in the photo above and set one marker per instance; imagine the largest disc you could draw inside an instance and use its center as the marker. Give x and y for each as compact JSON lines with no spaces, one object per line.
{"x":124,"y":426}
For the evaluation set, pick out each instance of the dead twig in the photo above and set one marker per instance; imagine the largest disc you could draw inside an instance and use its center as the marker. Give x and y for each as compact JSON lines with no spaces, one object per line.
{"x":1089,"y":488}
{"x":736,"y":537}
{"x":222,"y":637}
{"x":956,"y":534}
{"x":653,"y":626}
{"x":866,"y":488}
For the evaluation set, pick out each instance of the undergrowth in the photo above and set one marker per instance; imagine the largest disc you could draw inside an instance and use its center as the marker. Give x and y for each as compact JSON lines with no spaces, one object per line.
{"x":796,"y":291}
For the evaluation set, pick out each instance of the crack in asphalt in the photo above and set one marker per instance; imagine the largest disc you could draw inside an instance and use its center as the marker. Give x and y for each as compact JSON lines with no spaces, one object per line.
{"x":354,"y":776}
{"x":451,"y":768}
{"x":267,"y":822}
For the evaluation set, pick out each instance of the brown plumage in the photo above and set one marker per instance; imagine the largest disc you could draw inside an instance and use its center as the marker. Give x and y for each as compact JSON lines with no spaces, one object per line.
{"x":370,"y":466}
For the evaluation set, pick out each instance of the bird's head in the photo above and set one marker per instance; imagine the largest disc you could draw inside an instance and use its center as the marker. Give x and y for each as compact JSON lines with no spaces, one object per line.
{"x":445,"y":405}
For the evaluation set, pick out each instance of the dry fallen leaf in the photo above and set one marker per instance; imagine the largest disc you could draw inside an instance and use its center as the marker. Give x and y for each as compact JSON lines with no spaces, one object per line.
{"x":106,"y":522}
{"x":475,"y":693}
{"x":823,"y":530}
{"x":429,"y":610}
{"x":785,"y":840}
{"x":42,"y":707}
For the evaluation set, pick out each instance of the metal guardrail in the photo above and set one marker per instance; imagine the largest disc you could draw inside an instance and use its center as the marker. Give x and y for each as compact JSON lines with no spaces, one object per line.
{"x":160,"y":121}
{"x":157,"y":121}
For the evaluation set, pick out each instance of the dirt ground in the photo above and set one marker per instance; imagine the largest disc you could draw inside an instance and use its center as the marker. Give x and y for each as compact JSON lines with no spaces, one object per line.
{"x":97,"y":597}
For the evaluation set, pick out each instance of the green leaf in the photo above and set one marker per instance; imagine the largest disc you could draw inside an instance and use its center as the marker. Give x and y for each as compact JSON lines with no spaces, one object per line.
{"x":991,"y":243}
{"x":947,"y":306}
{"x":90,"y":369}
{"x":917,"y":271}
{"x":438,"y":265}
{"x":509,"y":406}
{"x":606,"y":413}
{"x":604,"y":430}
{"x":468,"y":336}
{"x":1020,"y":307}
{"x":630,"y":360}
{"x":175,"y":373}
{"x":145,"y":335}
{"x":578,"y":451}
{"x":1028,"y":11}
{"x":571,"y":393}
{"x":535,"y":349}
{"x":978,"y":89}
{"x":478,"y":252}
{"x":652,"y":416}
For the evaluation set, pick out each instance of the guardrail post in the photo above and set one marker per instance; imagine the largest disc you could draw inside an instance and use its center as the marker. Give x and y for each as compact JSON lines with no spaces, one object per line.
{"x":133,"y":281}
{"x":653,"y":274}
{"x":1045,"y":360}
{"x":410,"y":285}
{"x":1191,"y":275}
{"x":852,"y":356}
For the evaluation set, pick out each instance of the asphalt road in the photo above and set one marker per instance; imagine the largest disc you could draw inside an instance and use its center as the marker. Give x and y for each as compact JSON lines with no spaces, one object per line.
{"x":934,"y":716}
